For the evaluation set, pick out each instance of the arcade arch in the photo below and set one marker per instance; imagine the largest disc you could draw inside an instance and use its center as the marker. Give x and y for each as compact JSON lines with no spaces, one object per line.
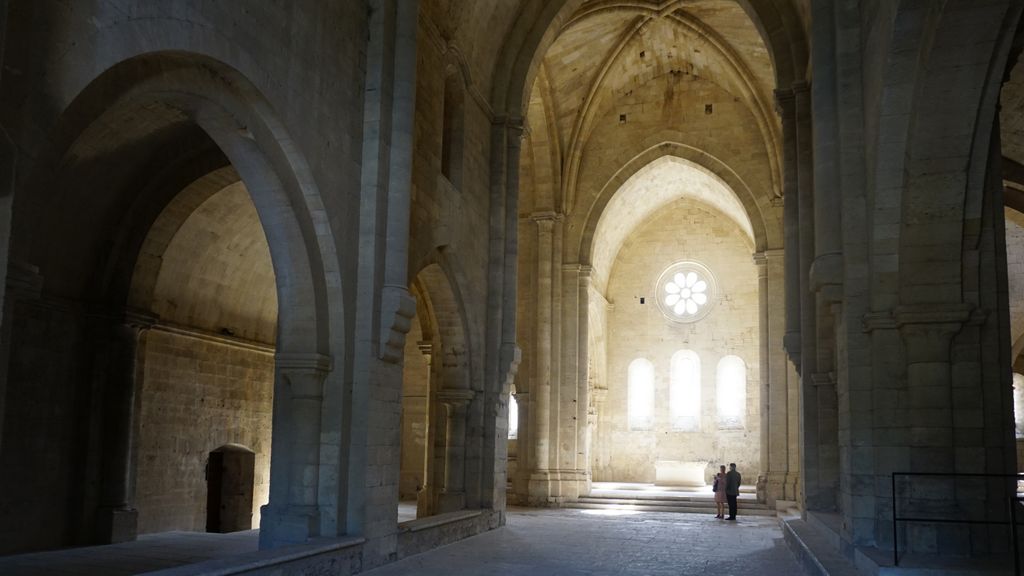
{"x":109,"y":191}
{"x":632,"y":110}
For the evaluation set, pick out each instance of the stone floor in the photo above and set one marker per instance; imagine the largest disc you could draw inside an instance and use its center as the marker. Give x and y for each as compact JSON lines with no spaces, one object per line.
{"x":534,"y":542}
{"x":150,"y":552}
{"x":611,"y":542}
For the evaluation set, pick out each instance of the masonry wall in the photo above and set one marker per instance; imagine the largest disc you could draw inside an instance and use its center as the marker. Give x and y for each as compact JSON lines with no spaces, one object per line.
{"x":415,"y":404}
{"x":683,"y":231}
{"x":1015,"y":275}
{"x":297,"y":57}
{"x":196,"y":396}
{"x":39,"y":459}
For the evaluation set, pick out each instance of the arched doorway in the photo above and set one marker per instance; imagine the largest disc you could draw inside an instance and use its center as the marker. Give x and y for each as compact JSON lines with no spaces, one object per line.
{"x":435,"y":469}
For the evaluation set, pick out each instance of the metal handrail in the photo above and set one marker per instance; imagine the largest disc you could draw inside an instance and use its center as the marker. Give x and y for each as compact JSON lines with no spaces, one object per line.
{"x":1014,"y":498}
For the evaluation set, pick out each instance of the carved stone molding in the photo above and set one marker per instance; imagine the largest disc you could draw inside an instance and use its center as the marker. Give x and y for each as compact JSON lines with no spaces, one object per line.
{"x":398,"y":308}
{"x":826,"y":276}
{"x":456,"y":398}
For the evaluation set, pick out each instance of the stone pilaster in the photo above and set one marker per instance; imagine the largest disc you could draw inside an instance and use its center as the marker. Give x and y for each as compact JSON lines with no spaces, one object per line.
{"x":775,"y":385}
{"x":786,"y":107}
{"x":453,"y":494}
{"x":585,"y":418}
{"x":541,"y":392}
{"x":116,"y":517}
{"x":293,"y":515}
{"x":425,"y":497}
{"x":520,"y":481}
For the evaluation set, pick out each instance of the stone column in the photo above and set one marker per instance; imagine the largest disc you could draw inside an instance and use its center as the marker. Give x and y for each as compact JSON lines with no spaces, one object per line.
{"x":292,"y":516}
{"x":775,"y":383}
{"x":453,"y":494}
{"x":541,"y":392}
{"x":116,"y":518}
{"x":584,"y":413}
{"x":521,"y":479}
{"x":786,"y":106}
{"x":425,"y":497}
{"x":818,"y":415}
{"x":761,"y":261}
{"x":827,"y":269}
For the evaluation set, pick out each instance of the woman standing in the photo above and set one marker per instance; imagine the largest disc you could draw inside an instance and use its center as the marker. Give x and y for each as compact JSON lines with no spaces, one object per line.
{"x":719,"y":489}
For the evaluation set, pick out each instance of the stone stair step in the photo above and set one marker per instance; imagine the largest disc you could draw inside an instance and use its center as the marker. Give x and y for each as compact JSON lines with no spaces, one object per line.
{"x":675,"y":507}
{"x":703,"y":502}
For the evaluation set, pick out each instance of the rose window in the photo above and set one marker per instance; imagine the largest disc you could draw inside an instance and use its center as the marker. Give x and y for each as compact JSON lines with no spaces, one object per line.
{"x":686,"y":293}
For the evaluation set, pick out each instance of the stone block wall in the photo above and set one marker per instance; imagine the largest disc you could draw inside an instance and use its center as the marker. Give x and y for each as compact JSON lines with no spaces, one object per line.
{"x":415,"y":409}
{"x":39,"y":457}
{"x":683,"y":231}
{"x":1015,"y":276}
{"x":197,"y":395}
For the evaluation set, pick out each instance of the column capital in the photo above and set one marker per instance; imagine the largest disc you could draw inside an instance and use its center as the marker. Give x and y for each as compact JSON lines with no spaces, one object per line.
{"x":784,"y":98}
{"x":426,"y":348}
{"x":764,"y":256}
{"x":510,"y":122}
{"x":928,"y":329}
{"x":549,"y":216}
{"x":823,"y":379}
{"x":298,"y":361}
{"x":456,"y":398}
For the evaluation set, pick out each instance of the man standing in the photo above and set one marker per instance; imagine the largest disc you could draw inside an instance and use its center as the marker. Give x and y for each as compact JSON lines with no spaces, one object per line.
{"x":732,"y":489}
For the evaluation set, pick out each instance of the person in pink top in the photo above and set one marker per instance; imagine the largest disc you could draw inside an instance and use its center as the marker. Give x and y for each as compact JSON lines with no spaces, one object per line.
{"x":719,"y":488}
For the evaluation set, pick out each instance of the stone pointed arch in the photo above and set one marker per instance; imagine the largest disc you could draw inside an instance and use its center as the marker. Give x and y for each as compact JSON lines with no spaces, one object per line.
{"x":188,"y":89}
{"x":949,"y":142}
{"x":436,"y":281}
{"x":765,"y":233}
{"x":174,"y":98}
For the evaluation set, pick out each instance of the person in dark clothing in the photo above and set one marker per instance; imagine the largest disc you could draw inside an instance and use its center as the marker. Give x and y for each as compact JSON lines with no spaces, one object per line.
{"x":732,"y":489}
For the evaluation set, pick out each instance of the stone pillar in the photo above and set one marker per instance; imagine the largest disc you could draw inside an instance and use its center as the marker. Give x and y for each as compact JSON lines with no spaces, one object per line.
{"x":292,"y":516}
{"x":502,"y":355}
{"x":584,"y":418}
{"x":116,"y":518}
{"x":818,"y":414}
{"x":453,"y":494}
{"x":364,"y":498}
{"x":541,"y":392}
{"x":521,"y":479}
{"x":761,"y":262}
{"x":927,"y":332}
{"x":775,"y":415}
